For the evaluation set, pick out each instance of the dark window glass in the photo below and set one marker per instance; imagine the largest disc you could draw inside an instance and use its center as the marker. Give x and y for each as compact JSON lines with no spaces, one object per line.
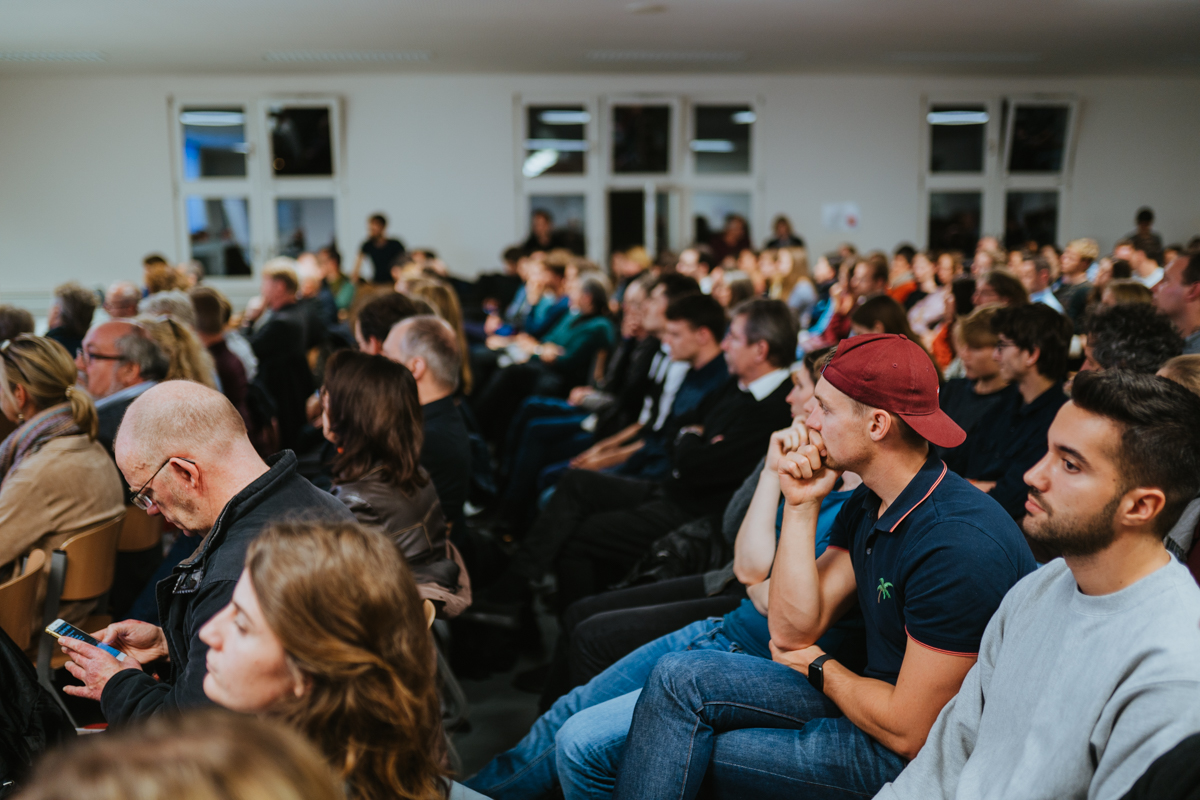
{"x":301,"y":142}
{"x":570,"y":219}
{"x":957,"y":137}
{"x":1030,"y":217}
{"x":214,"y":143}
{"x":555,"y":140}
{"x":954,"y":219}
{"x":641,"y":139}
{"x":626,"y":219}
{"x":303,"y":224}
{"x":219,"y":234}
{"x":722,"y":143}
{"x":1039,"y":139}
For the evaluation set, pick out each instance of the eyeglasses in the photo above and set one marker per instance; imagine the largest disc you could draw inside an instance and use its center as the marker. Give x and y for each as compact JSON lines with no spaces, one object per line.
{"x":1001,"y":344}
{"x":139,"y":499}
{"x":86,"y":355}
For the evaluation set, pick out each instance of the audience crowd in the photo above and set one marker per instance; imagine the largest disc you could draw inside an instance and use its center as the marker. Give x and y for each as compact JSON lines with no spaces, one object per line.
{"x":906,"y":525}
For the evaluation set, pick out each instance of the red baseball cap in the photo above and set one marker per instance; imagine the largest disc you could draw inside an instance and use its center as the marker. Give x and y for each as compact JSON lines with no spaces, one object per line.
{"x":892,"y":372}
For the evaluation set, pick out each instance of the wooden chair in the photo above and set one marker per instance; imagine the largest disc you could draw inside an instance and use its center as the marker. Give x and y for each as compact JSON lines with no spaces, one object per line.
{"x":139,"y":531}
{"x":17,"y":598}
{"x":80,"y":569}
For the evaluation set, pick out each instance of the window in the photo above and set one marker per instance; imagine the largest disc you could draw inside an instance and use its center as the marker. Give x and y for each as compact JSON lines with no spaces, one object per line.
{"x":304,"y":224}
{"x":641,"y":139}
{"x":958,"y":138}
{"x":556,"y":140}
{"x":214,"y":143}
{"x":301,"y":141}
{"x":219,"y":234}
{"x":1030,"y":217}
{"x":1039,"y":139}
{"x":722,"y":139}
{"x":954,"y":219}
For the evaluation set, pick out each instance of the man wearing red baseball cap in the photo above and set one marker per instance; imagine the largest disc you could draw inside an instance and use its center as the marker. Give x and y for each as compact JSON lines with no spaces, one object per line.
{"x":926,"y":558}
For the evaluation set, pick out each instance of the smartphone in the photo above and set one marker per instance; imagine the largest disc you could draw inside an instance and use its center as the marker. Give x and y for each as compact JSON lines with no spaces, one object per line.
{"x":60,"y":628}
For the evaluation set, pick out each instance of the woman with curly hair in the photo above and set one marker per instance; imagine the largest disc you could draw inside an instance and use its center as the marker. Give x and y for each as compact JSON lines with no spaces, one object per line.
{"x":327,"y":633}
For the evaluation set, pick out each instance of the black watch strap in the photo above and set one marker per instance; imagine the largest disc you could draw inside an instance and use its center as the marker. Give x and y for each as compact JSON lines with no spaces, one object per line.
{"x":816,"y":672}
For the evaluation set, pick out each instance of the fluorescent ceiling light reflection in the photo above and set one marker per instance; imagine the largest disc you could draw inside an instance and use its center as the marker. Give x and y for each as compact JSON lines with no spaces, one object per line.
{"x":561,"y":145}
{"x":52,"y":55}
{"x":292,"y":56}
{"x":957,"y":117}
{"x":538,"y":162}
{"x":565,"y":117}
{"x":745,"y":117}
{"x":712,"y":146}
{"x":212,"y":118}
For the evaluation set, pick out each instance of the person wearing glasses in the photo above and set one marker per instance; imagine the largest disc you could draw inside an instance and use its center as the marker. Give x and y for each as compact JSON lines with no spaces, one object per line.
{"x":184,"y":447}
{"x":54,"y":475}
{"x":117,"y":362}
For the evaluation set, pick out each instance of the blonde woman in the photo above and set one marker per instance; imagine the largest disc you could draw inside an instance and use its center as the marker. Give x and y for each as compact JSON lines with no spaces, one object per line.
{"x":189,"y":359}
{"x":54,"y":476}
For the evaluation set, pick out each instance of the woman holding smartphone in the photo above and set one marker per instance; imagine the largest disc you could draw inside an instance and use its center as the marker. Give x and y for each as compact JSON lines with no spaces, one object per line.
{"x":326,"y":632}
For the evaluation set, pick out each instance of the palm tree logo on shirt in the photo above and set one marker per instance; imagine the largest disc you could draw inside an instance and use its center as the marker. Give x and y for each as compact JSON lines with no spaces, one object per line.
{"x":884,"y":591}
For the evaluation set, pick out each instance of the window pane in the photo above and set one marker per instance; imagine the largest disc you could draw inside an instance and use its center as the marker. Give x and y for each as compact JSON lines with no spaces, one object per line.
{"x":555,"y":140}
{"x":954,"y":220}
{"x":567,"y":214}
{"x":214,"y":143}
{"x":722,"y":142}
{"x":300,"y":141}
{"x":626,"y":219}
{"x":219,"y":232}
{"x":641,"y":139}
{"x":957,"y":136}
{"x":1039,"y":139}
{"x":710,"y":210}
{"x":303,"y":224}
{"x":1030,"y":217}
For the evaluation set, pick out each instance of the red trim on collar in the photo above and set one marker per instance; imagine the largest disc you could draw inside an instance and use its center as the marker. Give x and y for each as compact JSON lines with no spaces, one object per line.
{"x":945,"y":469}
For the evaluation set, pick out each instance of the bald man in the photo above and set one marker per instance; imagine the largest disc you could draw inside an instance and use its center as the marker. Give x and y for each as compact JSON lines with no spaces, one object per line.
{"x":121,"y":300}
{"x":184,"y":447}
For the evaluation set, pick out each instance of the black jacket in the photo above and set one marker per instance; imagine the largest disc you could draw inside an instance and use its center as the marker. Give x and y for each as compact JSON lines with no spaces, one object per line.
{"x":279,"y":344}
{"x":203,"y":584}
{"x":446,"y":455}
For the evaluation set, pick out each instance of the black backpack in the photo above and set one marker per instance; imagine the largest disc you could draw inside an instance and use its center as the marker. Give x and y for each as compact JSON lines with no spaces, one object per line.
{"x":30,"y":719}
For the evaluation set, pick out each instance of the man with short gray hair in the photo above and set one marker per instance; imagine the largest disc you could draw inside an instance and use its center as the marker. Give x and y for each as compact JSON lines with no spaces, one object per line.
{"x":428,"y":347}
{"x":118,"y":361}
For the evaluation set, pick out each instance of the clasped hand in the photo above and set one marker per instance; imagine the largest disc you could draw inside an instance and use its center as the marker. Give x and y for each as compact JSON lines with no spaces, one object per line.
{"x":799,"y":455}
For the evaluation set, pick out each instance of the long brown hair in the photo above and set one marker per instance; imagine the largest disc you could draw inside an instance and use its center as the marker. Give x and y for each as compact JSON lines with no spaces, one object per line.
{"x":344,"y":606}
{"x":375,"y":413}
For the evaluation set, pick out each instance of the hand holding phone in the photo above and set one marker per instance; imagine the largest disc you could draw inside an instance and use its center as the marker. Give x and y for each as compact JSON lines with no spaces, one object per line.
{"x":61,"y":628}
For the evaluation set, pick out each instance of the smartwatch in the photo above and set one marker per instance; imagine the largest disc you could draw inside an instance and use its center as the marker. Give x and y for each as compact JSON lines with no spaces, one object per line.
{"x":816,"y":672}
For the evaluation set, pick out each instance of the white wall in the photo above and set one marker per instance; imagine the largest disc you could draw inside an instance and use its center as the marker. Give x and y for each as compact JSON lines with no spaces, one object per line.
{"x":86,"y":163}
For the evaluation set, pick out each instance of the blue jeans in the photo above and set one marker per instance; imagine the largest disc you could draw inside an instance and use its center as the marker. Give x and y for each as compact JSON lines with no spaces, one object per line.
{"x":545,"y":431}
{"x":530,"y":769}
{"x":756,"y":727}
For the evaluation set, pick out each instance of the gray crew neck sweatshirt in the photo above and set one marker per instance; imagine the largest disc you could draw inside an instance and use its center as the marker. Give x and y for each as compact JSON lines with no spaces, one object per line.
{"x":1073,"y":696}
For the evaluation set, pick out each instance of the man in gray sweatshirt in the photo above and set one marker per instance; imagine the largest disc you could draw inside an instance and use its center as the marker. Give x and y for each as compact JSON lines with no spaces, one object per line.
{"x":1088,"y":671}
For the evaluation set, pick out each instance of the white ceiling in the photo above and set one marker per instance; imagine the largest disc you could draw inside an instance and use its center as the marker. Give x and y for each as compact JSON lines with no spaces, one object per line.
{"x":859,"y":36}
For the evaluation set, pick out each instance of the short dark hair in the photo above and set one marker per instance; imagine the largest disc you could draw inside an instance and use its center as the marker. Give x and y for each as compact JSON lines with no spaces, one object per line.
{"x":675,"y":286}
{"x":880,"y":269}
{"x":14,"y":321}
{"x":542,"y":212}
{"x":512,"y":255}
{"x":376,"y":318}
{"x":1007,"y":285}
{"x":1160,"y":440}
{"x":1040,"y":264}
{"x":333,"y":254}
{"x":699,"y":311}
{"x":963,"y":289}
{"x":770,"y":321}
{"x":154,"y":259}
{"x":1191,"y":270}
{"x":906,"y":251}
{"x":705,"y":255}
{"x":212,"y":309}
{"x":1121,"y":269}
{"x":77,"y":305}
{"x":1037,"y":326}
{"x":1132,"y":336}
{"x":379,"y":218}
{"x":1145,"y":215}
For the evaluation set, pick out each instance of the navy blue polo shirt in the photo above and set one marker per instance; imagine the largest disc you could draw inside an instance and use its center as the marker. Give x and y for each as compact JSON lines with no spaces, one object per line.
{"x":933,"y":568}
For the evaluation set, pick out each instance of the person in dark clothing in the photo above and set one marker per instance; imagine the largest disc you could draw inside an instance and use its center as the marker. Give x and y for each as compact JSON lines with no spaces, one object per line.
{"x":213,"y":311}
{"x":1032,"y":346}
{"x":383,"y":252}
{"x":596,"y":525}
{"x":428,"y":346}
{"x":783,"y":234}
{"x":118,"y":362}
{"x":377,"y":318}
{"x":71,"y":315}
{"x":1133,"y":336}
{"x":542,"y":236}
{"x":1175,"y":775}
{"x":186,"y":447}
{"x":972,"y":401}
{"x":278,"y":338}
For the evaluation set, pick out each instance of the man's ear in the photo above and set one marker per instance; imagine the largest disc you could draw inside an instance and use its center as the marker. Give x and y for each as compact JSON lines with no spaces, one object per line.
{"x":1139,"y":507}
{"x":762,"y":349}
{"x":1032,"y":356}
{"x":128,"y":373}
{"x":880,"y":422}
{"x":187,"y":472}
{"x":416,"y":366}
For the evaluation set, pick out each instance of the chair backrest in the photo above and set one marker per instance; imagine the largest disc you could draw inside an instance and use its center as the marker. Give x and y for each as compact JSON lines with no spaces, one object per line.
{"x":17,"y":597}
{"x":91,"y":559}
{"x":140,"y":531}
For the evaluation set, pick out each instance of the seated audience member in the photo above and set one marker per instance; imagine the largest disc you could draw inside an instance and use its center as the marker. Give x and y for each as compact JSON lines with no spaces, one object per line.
{"x":868,"y":277}
{"x":1107,"y":635}
{"x":1178,"y":296}
{"x":118,"y":361}
{"x":314,"y":303}
{"x":1073,"y":287}
{"x":635,"y":262}
{"x":202,"y":755}
{"x":971,"y":401}
{"x":783,"y":234}
{"x":731,"y":288}
{"x":1175,"y":775}
{"x":1181,"y":540}
{"x":926,"y":306}
{"x":427,"y":346}
{"x":1125,"y":291}
{"x":731,"y":240}
{"x":926,"y":558}
{"x":543,"y":301}
{"x":999,"y":286}
{"x":596,"y":525}
{"x":901,"y":281}
{"x":161,"y":277}
{"x":1036,"y":276}
{"x":175,"y":303}
{"x":14,"y":321}
{"x":697,"y":263}
{"x":959,"y":305}
{"x":789,"y":280}
{"x":883,"y":314}
{"x":187,"y":360}
{"x":381,"y":250}
{"x":55,"y":478}
{"x":598,"y":713}
{"x":1132,"y":336}
{"x":121,"y":300}
{"x":1144,"y":260}
{"x":379,"y":315}
{"x":71,"y":315}
{"x":542,"y":236}
{"x":442,"y":298}
{"x":326,"y":631}
{"x":329,"y":260}
{"x":278,"y":337}
{"x":185,"y":446}
{"x":212,"y":318}
{"x":1032,"y":345}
